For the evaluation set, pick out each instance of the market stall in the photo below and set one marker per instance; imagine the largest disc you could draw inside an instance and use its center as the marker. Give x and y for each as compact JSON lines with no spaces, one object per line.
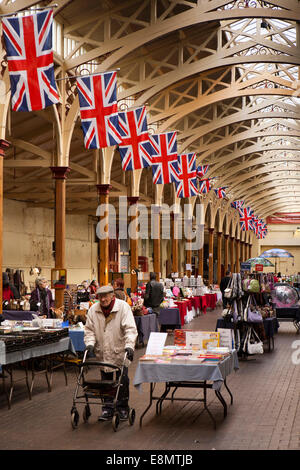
{"x":194,"y":361}
{"x":270,"y":328}
{"x":145,"y":324}
{"x":250,"y":312}
{"x":22,"y":345}
{"x":190,"y":296}
{"x":170,"y":318}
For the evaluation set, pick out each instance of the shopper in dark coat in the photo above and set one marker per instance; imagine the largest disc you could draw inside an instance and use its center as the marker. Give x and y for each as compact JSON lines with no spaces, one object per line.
{"x":41,"y":299}
{"x":223,"y":285}
{"x":154,"y":294}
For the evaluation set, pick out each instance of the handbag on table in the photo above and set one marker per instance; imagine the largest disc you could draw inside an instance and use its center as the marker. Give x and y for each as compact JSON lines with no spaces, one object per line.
{"x":253,"y":344}
{"x":251,"y":316}
{"x":227,"y":315}
{"x":254,"y":316}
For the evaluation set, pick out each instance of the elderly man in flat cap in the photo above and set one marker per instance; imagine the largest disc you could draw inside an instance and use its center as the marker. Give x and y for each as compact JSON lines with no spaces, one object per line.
{"x":110,"y":330}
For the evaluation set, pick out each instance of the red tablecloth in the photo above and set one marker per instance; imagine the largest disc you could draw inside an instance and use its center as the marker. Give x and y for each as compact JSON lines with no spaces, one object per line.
{"x":211,"y":300}
{"x":196,"y":302}
{"x":203,"y":301}
{"x":182,"y":305}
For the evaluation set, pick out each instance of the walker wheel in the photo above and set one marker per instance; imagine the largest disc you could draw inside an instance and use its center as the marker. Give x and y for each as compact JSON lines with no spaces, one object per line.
{"x":86,"y":413}
{"x":74,"y":418}
{"x":131,"y":416}
{"x":115,"y":421}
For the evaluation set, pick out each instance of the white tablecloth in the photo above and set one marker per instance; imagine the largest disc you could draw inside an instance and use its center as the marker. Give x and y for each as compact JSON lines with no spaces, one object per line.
{"x":190,"y":315}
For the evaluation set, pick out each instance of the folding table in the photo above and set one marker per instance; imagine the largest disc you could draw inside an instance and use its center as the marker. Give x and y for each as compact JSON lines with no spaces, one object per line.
{"x":179,"y":375}
{"x":46,"y":351}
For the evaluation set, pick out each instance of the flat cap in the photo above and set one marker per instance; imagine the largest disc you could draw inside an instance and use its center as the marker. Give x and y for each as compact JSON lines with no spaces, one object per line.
{"x":105,"y":290}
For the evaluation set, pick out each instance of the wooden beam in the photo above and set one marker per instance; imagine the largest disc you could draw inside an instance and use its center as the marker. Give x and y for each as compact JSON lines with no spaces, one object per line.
{"x":34,"y":149}
{"x":25,"y":163}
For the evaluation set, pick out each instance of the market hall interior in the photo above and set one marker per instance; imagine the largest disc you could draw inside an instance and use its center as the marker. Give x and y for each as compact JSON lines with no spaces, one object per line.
{"x":219,"y":81}
{"x":264,"y":414}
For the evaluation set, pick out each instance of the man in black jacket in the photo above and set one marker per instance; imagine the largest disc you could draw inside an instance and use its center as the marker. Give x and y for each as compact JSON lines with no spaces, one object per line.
{"x":154,"y":294}
{"x":223,"y":285}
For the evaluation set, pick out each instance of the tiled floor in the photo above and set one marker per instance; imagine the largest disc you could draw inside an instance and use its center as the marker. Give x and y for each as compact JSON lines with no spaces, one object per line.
{"x":265,"y":413}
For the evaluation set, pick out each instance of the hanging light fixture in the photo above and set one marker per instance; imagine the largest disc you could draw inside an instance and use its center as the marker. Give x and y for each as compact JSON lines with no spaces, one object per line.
{"x":264,"y":24}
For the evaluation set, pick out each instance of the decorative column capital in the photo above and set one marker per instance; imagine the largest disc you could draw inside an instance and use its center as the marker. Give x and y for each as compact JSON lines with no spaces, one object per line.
{"x":103,"y":189}
{"x":211,"y":230}
{"x":4,"y":145}
{"x":60,"y":172}
{"x":226,"y":236}
{"x":132,"y":200}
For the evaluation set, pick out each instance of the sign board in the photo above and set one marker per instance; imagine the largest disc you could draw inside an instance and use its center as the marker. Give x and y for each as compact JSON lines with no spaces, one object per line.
{"x":245,"y":266}
{"x":259,"y":267}
{"x":226,"y":338}
{"x":156,"y":344}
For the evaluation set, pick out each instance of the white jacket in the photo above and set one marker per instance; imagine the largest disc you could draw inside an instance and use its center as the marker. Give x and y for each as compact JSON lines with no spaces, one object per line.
{"x":110,"y":336}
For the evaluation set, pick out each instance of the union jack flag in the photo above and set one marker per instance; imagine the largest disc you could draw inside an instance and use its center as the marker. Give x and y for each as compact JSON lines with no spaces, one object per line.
{"x":237,"y":204}
{"x":254,"y":224}
{"x":220,"y":192}
{"x":28,"y":43}
{"x":185,"y":170}
{"x":262,"y":233}
{"x":204,"y":186}
{"x":259,"y":226}
{"x":264,"y":227}
{"x":135,"y":148}
{"x":246,"y":217}
{"x":263,"y":230}
{"x":163,"y":155}
{"x":202,"y":170}
{"x":99,"y":110}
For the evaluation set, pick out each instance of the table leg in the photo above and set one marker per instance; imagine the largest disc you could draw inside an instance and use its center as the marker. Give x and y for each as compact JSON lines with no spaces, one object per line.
{"x":172,"y":397}
{"x":227,"y":388}
{"x":150,"y":404}
{"x":297,"y":325}
{"x":52,"y":366}
{"x":218,"y":394}
{"x":27,"y":381}
{"x":205,"y":404}
{"x":161,"y":399}
{"x":34,"y":373}
{"x":8,"y":370}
